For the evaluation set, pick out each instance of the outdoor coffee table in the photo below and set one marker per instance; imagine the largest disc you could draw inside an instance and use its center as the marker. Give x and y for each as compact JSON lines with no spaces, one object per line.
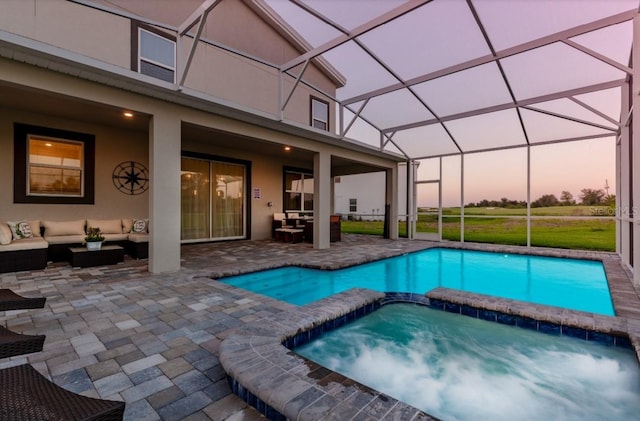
{"x":107,"y":255}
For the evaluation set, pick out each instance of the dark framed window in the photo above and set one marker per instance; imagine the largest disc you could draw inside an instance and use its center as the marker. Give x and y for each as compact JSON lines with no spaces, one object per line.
{"x":353,"y":205}
{"x":298,"y":190}
{"x":52,"y":165}
{"x":319,"y":114}
{"x":153,"y":53}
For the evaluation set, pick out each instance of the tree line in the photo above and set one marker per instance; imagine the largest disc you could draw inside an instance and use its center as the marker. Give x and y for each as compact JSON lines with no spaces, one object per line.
{"x":588,"y":197}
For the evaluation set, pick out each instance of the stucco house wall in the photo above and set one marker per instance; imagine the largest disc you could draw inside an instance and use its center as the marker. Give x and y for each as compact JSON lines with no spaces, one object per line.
{"x":113,"y":146}
{"x":214,"y":71}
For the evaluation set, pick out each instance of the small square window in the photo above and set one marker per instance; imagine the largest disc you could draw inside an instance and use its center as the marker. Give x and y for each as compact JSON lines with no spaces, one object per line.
{"x":53,"y":165}
{"x":153,"y":53}
{"x":319,"y":114}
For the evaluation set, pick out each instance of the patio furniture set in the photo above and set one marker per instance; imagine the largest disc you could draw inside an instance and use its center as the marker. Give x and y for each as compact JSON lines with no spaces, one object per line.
{"x":29,"y":245}
{"x":25,"y":394}
{"x":293,"y":228}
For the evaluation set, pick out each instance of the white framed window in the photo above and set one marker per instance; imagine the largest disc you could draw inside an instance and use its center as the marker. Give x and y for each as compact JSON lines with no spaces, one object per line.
{"x":55,"y":167}
{"x":319,"y":114}
{"x":353,"y":205}
{"x":156,"y":55}
{"x":298,"y":190}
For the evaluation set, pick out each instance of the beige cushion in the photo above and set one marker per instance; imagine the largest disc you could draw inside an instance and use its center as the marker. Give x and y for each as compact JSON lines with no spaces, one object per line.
{"x":127,"y":224}
{"x":135,"y":237}
{"x":25,"y":244}
{"x":5,"y":234}
{"x":53,"y":228}
{"x":65,"y":239}
{"x":35,"y":228}
{"x":107,"y":226}
{"x":115,"y":237}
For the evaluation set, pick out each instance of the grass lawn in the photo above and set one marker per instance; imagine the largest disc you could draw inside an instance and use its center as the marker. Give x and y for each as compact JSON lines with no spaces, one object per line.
{"x":586,"y":234}
{"x":577,"y":210}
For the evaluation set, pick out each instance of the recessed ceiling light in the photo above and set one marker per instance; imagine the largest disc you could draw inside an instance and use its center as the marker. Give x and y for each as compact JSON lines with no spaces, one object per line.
{"x":127,"y":114}
{"x":48,"y":144}
{"x":287,"y":148}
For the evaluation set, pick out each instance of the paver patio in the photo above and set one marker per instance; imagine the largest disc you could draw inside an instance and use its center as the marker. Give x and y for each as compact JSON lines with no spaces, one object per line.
{"x":119,"y":332}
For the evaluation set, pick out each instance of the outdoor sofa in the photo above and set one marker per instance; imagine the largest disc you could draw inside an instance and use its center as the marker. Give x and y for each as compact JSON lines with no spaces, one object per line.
{"x":29,"y":245}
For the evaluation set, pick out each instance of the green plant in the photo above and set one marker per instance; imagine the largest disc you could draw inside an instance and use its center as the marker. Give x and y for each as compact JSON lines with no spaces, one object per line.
{"x":93,"y":234}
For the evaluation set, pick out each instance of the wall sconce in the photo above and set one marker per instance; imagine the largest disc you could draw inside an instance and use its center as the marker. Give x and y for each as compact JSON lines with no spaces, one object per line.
{"x":270,"y":204}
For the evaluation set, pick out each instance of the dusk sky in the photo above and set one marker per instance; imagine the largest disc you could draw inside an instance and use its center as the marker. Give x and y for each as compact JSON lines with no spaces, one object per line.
{"x":445,"y":33}
{"x":570,"y":166}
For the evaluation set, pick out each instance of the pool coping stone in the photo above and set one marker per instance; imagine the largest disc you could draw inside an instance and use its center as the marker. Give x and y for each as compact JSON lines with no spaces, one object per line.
{"x":263,"y":371}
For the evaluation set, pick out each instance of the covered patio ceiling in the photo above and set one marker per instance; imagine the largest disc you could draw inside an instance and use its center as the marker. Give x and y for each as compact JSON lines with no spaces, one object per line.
{"x":428,"y":78}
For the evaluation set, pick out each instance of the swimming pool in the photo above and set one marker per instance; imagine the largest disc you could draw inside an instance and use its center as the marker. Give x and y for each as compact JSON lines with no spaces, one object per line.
{"x":457,"y":367}
{"x":568,"y":283}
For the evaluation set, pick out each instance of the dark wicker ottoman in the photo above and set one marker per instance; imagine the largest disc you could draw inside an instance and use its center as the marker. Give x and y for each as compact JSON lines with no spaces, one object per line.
{"x":9,"y":300}
{"x":27,"y":395}
{"x":12,"y":343}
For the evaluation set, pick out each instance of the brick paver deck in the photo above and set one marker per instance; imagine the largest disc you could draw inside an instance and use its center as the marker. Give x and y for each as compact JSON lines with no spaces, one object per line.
{"x":119,"y":332}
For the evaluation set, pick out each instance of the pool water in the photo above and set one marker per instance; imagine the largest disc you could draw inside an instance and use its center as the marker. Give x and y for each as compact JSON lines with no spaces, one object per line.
{"x":461,"y":368}
{"x":568,"y":283}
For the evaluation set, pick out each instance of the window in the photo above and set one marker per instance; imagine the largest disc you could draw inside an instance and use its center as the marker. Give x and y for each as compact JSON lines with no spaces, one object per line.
{"x":155,"y":53}
{"x":319,"y":114}
{"x":53,"y":166}
{"x":298,"y":190}
{"x":353,"y":205}
{"x":213,"y":198}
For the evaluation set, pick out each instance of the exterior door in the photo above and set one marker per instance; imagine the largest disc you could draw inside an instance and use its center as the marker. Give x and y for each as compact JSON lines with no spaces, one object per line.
{"x":427,"y":224}
{"x":213,"y":200}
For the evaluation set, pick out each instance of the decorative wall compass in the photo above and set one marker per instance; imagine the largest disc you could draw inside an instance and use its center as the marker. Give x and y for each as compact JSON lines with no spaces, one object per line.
{"x":131,"y":177}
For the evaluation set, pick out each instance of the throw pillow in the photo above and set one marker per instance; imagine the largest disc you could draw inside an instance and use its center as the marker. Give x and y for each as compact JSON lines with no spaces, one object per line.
{"x":5,"y":234}
{"x":139,"y":225}
{"x":20,"y":230}
{"x":35,"y":228}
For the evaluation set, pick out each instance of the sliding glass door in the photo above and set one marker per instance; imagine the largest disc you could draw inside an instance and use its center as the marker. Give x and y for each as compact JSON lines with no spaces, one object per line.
{"x":213,"y":200}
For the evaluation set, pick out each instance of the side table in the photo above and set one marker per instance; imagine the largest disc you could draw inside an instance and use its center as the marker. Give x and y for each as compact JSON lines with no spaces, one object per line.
{"x":107,"y":255}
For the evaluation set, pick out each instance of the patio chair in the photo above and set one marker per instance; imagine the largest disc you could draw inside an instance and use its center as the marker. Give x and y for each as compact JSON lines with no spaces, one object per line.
{"x":12,"y":343}
{"x":9,"y":300}
{"x":295,"y":220}
{"x":279,"y":222}
{"x":27,"y":395}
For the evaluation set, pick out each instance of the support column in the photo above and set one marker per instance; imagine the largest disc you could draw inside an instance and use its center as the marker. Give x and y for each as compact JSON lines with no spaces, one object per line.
{"x":635,"y":150}
{"x":392,"y":200}
{"x":528,"y":195}
{"x":624,"y":225}
{"x":321,"y":200}
{"x":164,"y":197}
{"x":411,"y":197}
{"x":462,"y":198}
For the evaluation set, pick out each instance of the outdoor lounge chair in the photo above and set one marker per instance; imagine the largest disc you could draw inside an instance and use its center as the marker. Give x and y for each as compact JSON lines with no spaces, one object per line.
{"x":9,"y":300}
{"x":27,"y":395}
{"x":12,"y":343}
{"x":279,"y":222}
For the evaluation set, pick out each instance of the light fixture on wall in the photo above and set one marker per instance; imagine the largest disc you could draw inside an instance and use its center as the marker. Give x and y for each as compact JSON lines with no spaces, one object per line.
{"x":287,"y":148}
{"x":127,"y":114}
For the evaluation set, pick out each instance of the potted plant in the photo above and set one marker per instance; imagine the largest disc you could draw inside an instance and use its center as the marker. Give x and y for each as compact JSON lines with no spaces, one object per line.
{"x":94,"y":238}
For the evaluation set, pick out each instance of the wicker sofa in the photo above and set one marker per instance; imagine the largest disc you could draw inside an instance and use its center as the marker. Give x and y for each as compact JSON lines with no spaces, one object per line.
{"x":49,"y":241}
